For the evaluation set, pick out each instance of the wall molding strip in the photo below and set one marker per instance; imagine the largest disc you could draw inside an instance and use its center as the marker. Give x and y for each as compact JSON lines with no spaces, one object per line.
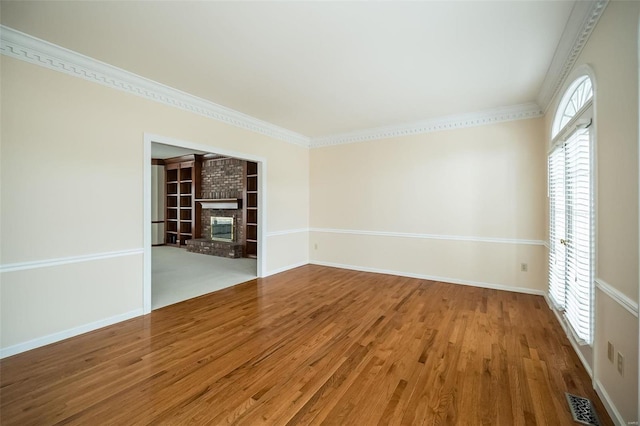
{"x":583,"y":19}
{"x":460,"y":121}
{"x":622,"y":299}
{"x":609,"y":405}
{"x":286,"y":268}
{"x":448,"y":280}
{"x":570,"y":335}
{"x":39,"y":52}
{"x":65,"y":334}
{"x":25,"y":47}
{"x":12,"y":267}
{"x":287,"y":232}
{"x":430,"y":236}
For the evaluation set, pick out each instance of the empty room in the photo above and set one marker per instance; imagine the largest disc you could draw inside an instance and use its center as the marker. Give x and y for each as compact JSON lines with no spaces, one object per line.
{"x":349,"y":213}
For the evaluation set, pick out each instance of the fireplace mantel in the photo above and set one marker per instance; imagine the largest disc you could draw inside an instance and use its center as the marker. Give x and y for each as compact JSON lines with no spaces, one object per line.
{"x":220,"y":203}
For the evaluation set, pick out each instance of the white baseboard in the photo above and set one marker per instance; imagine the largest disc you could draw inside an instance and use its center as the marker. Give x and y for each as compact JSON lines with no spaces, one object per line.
{"x":285,"y":268}
{"x":608,"y":405}
{"x":431,"y":278}
{"x":56,"y":337}
{"x":569,"y":335}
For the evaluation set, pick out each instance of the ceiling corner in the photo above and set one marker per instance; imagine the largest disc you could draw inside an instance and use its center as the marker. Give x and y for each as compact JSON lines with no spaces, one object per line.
{"x":583,"y":19}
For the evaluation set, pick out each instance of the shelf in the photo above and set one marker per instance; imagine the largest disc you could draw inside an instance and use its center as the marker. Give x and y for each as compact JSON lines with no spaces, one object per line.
{"x":220,"y":203}
{"x":252,"y":183}
{"x":252,"y":232}
{"x":182,"y":176}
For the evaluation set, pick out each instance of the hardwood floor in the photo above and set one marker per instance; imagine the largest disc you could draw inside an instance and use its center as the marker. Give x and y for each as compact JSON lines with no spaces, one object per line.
{"x":309,"y":346}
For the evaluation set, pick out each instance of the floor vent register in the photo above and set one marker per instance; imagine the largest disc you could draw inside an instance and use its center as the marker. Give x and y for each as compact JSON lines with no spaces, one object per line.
{"x":582,"y":410}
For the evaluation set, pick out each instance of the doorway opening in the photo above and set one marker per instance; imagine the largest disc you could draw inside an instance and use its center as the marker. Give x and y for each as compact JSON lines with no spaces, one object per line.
{"x":186,"y":186}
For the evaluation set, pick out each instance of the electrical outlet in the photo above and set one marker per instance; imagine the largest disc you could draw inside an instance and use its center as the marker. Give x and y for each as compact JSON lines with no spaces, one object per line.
{"x":315,"y":246}
{"x":524,"y":267}
{"x":620,"y":364}
{"x":610,"y":351}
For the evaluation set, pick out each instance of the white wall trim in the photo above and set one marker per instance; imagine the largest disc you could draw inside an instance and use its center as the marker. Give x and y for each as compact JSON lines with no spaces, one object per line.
{"x":459,"y":121}
{"x":430,"y":236}
{"x":287,"y":232}
{"x":65,"y":334}
{"x":286,"y":268}
{"x":430,"y":277}
{"x":40,"y":52}
{"x":20,"y":266}
{"x":608,"y":404}
{"x":583,"y":19}
{"x":570,"y":336}
{"x":150,"y":138}
{"x":25,"y":47}
{"x":615,"y":294}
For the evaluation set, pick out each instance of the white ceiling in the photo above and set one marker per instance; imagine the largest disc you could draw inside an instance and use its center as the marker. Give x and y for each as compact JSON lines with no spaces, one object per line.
{"x":319,"y":68}
{"x":161,"y":151}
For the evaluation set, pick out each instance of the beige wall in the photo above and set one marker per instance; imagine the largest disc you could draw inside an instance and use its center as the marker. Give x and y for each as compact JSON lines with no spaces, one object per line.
{"x":71,"y":170}
{"x":612,"y":54}
{"x":473,"y":184}
{"x":72,"y":186}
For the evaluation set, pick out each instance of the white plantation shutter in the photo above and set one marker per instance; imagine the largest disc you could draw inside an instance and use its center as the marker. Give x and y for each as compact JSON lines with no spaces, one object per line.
{"x":579,"y":234}
{"x":557,"y":227}
{"x":571,"y":213}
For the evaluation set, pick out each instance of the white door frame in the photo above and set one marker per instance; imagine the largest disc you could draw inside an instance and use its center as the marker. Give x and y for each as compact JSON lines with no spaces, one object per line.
{"x":262,"y":201}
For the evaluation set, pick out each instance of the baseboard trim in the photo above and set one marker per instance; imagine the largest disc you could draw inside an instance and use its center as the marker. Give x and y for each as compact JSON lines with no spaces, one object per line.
{"x":12,"y":267}
{"x":569,"y":334}
{"x":72,"y":332}
{"x":431,"y":278}
{"x":285,"y":268}
{"x":608,"y":404}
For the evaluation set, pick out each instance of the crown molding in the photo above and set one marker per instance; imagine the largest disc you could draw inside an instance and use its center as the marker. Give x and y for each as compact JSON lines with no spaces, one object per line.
{"x":498,"y":115}
{"x":583,"y":19}
{"x":25,"y":47}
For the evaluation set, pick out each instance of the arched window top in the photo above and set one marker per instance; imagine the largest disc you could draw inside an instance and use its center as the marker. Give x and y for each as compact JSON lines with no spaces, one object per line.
{"x":579,"y":93}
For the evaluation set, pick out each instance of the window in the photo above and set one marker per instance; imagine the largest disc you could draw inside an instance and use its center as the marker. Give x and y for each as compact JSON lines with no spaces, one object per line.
{"x":579,"y":93}
{"x":571,"y":214}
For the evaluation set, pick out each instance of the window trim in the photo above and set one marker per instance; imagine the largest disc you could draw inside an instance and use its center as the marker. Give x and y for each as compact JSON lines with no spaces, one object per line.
{"x":557,"y":137}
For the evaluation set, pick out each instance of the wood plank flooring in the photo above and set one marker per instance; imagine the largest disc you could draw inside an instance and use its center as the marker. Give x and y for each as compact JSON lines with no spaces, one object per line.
{"x":314,"y":345}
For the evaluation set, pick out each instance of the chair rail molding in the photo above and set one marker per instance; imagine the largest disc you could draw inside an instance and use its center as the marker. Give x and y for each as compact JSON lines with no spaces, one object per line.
{"x":21,"y":266}
{"x":622,"y":299}
{"x":430,"y":236}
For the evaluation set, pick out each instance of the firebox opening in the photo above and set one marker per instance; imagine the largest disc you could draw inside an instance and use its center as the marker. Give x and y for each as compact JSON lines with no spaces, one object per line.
{"x":222,"y":228}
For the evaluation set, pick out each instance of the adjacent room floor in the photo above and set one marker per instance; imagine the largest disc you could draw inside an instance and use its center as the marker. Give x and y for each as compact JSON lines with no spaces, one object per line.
{"x":178,"y":275}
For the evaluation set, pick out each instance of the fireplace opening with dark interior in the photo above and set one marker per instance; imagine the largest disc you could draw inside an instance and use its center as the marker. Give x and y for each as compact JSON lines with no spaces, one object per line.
{"x":222,"y":228}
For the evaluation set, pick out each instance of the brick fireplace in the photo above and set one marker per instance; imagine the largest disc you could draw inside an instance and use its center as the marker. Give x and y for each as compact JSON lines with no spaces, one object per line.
{"x":222,"y":180}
